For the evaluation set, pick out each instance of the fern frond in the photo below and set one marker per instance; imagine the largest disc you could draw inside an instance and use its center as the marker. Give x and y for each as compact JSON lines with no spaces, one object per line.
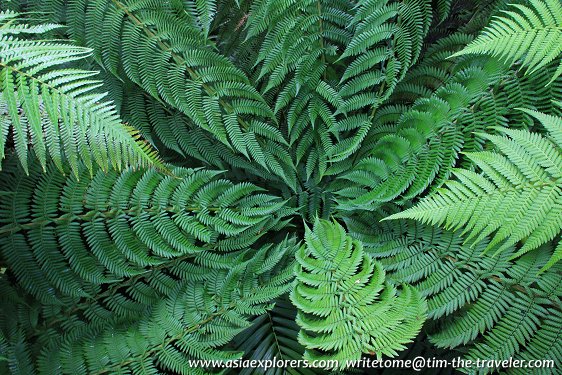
{"x":517,"y":196}
{"x":58,"y":109}
{"x":185,"y":72}
{"x":345,"y":308}
{"x":114,"y":225}
{"x":531,"y":33}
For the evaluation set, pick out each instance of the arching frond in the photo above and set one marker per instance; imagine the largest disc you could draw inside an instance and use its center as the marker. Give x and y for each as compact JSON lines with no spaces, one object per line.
{"x":516,"y":197}
{"x":529,"y":32}
{"x":113,"y":226}
{"x":57,"y":109}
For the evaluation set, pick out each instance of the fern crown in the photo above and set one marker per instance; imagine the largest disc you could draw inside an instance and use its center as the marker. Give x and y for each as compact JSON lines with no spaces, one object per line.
{"x":260,"y":180}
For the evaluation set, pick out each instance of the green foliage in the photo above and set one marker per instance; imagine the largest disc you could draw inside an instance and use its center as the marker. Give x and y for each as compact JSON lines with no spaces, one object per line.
{"x":423,"y":135}
{"x":160,"y":321}
{"x":272,"y":335}
{"x":530,"y":32}
{"x":271,"y":117}
{"x":516,"y":196}
{"x":107,"y":257}
{"x":57,"y":107}
{"x":497,"y":307}
{"x":344,"y":307}
{"x":60,"y":232}
{"x":186,"y":73}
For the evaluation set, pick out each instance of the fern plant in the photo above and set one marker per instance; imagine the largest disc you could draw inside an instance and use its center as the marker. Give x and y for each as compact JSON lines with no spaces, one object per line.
{"x":263,"y":180}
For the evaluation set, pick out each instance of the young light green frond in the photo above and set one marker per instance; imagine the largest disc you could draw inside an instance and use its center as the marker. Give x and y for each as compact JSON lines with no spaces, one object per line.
{"x":515,"y":198}
{"x":345,"y":308}
{"x":531,"y":33}
{"x":58,"y":111}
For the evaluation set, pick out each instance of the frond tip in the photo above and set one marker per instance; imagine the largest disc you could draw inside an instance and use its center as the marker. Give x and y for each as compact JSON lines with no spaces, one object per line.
{"x":345,"y":308}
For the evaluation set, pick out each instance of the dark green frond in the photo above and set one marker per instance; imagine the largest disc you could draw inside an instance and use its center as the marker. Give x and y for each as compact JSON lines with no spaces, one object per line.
{"x":118,"y":225}
{"x":186,"y":72}
{"x":272,"y":335}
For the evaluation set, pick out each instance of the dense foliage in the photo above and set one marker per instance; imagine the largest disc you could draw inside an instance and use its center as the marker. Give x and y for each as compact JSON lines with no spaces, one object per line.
{"x":290,"y":179}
